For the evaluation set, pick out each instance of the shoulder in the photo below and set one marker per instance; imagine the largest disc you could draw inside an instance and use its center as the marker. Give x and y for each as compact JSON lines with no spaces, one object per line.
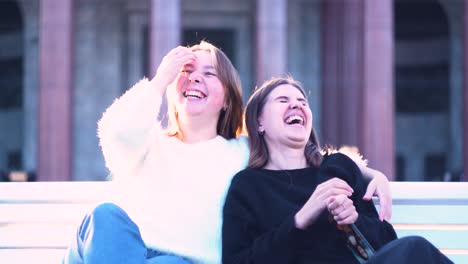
{"x":244,"y":177}
{"x":339,"y":160}
{"x":246,"y":180}
{"x":238,"y":147}
{"x":240,"y":142}
{"x":337,"y":157}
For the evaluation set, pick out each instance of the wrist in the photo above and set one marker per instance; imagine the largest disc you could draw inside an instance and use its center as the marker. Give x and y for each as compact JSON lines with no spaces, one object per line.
{"x":306,"y":216}
{"x":370,"y":173}
{"x":160,"y":83}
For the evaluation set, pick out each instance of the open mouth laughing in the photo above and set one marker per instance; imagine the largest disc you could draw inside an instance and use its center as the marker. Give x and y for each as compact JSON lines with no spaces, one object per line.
{"x":294,"y":119}
{"x":194,"y":94}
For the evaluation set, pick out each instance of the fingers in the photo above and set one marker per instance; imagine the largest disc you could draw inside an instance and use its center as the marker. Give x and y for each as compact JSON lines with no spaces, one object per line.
{"x":337,"y":183}
{"x":179,"y":56}
{"x":330,"y":188}
{"x":371,"y":188}
{"x":171,"y":64}
{"x":334,"y":187}
{"x":350,"y":219}
{"x":336,"y":202}
{"x":178,"y":51}
{"x":381,"y":187}
{"x":385,"y":209}
{"x":324,"y":195}
{"x":342,"y":209}
{"x":336,"y":192}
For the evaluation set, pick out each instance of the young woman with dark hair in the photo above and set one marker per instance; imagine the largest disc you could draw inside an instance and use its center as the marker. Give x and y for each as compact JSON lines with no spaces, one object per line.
{"x":295,"y":204}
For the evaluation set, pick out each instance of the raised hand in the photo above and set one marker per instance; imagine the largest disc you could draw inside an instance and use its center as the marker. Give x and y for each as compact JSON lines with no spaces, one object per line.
{"x":170,"y":66}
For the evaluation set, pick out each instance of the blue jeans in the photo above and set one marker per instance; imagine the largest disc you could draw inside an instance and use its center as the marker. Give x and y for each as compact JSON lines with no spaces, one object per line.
{"x":108,"y":235}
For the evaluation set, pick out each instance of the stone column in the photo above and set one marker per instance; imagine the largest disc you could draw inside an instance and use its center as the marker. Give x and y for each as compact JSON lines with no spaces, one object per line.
{"x":465,"y":92}
{"x":271,"y":44}
{"x":30,"y":10}
{"x":379,"y":112}
{"x":164,"y":30}
{"x":55,"y":87}
{"x":358,"y":79}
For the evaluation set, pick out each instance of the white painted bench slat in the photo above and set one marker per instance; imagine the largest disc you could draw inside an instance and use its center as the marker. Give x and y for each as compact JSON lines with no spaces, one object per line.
{"x":43,"y":213}
{"x":444,"y":239}
{"x":58,"y":236}
{"x":28,"y":256}
{"x":430,"y":214}
{"x":54,"y":192}
{"x":39,"y":220}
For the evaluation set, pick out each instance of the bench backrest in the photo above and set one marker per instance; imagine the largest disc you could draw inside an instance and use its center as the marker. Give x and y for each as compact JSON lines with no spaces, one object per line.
{"x":38,"y":220}
{"x":437,"y":211}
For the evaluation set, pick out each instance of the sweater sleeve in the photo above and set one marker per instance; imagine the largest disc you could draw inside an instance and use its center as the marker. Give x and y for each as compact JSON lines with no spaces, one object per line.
{"x":127,"y":127}
{"x":245,"y":241}
{"x":376,"y":232}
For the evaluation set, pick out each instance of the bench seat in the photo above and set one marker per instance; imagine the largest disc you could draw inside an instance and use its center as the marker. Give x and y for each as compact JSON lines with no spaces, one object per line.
{"x":39,"y":219}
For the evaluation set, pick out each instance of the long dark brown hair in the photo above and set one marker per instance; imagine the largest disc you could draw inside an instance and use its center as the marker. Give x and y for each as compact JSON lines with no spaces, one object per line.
{"x":230,"y":120}
{"x":259,"y":154}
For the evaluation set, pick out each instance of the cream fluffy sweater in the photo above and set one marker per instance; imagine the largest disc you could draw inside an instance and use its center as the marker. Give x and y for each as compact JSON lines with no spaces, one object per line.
{"x":173,"y":191}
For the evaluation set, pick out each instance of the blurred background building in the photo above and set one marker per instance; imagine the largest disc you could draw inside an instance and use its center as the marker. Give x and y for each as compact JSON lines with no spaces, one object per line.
{"x":386,"y":76}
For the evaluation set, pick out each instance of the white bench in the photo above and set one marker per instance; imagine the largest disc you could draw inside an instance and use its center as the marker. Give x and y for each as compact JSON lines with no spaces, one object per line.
{"x":38,"y":220}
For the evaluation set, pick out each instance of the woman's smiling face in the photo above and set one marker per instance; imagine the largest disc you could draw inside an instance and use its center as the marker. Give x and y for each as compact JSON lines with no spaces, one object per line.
{"x":198,"y":89}
{"x":286,"y":117}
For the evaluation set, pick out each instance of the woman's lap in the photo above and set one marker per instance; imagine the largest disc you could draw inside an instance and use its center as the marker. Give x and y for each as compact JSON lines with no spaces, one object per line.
{"x":108,"y":222}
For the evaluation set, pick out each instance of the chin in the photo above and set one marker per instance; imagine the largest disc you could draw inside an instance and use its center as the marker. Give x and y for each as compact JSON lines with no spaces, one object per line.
{"x":298,"y":142}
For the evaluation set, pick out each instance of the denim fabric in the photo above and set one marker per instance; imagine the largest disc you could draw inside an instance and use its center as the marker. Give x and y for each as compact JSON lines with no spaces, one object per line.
{"x":108,"y":235}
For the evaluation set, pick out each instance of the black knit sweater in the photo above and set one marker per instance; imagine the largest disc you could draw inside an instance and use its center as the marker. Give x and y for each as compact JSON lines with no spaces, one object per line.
{"x":258,"y":225}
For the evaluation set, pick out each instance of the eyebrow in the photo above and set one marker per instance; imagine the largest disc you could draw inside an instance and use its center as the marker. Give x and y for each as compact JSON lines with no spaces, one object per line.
{"x":209,"y":67}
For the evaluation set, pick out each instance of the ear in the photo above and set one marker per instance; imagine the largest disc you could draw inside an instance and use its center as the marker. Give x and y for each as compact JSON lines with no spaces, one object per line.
{"x":261,"y":129}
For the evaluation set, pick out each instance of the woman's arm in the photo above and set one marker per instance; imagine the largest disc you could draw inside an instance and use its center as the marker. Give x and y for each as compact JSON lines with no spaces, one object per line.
{"x":129,"y":125}
{"x":246,"y":241}
{"x":380,"y":186}
{"x":378,"y":182}
{"x":125,"y":127}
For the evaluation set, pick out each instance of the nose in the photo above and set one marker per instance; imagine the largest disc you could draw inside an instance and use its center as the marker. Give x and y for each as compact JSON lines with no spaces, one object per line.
{"x":194,"y":77}
{"x":295,"y":105}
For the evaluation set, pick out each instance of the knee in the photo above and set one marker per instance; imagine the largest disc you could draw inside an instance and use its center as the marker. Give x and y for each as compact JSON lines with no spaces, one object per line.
{"x":102,"y":215}
{"x":416,"y":242}
{"x":105,"y":210}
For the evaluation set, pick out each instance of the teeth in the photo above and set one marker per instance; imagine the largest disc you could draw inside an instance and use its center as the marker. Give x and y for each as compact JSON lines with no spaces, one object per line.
{"x":295,"y":119}
{"x":194,"y":93}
